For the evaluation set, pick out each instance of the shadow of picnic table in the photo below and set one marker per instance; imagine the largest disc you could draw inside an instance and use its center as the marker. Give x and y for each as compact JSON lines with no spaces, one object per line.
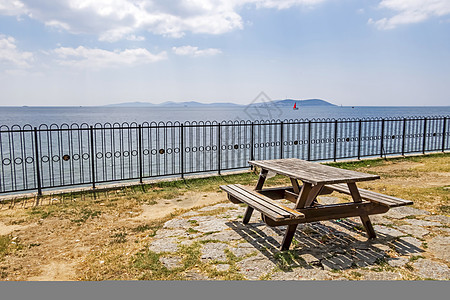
{"x":330,"y":245}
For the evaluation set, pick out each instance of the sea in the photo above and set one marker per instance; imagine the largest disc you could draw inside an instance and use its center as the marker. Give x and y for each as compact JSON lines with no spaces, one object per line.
{"x":36,"y":116}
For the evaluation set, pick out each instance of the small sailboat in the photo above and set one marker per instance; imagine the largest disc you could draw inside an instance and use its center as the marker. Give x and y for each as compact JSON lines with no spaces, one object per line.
{"x":295,"y":106}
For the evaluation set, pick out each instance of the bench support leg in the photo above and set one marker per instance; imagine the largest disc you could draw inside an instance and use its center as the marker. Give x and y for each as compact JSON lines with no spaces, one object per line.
{"x":364,"y":217}
{"x":289,"y":235}
{"x":261,"y":179}
{"x":248,"y":215}
{"x":368,"y":226}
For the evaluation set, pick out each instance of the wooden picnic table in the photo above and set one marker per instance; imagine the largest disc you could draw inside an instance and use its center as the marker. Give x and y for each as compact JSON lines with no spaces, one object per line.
{"x":317,"y":179}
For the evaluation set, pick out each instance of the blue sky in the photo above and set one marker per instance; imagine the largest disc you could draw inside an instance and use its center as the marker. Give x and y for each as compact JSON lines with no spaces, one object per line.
{"x":349,"y":52}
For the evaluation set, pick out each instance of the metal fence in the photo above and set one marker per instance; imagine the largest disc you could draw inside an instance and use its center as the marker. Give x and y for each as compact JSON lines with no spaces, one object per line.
{"x":52,"y":156}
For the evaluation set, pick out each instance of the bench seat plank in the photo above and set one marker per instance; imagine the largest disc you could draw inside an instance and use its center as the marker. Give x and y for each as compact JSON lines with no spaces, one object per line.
{"x":371,"y":196}
{"x":262,"y":203}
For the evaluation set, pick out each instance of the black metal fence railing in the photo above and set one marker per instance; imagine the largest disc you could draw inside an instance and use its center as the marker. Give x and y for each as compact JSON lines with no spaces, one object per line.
{"x":37,"y":158}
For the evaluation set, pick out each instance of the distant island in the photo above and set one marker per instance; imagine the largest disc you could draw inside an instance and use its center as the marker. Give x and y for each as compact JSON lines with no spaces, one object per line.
{"x":280,"y":103}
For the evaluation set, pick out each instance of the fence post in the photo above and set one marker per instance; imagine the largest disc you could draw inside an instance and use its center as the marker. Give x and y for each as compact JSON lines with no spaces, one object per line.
{"x":424,"y":135}
{"x":404,"y":137}
{"x":140,"y":153}
{"x":38,"y":170}
{"x":219,"y":149}
{"x":443,"y":134}
{"x":252,"y":140}
{"x":359,"y":139}
{"x":281,"y":139}
{"x":335,"y":139}
{"x":92,"y":157}
{"x":382,"y":138}
{"x":182,"y":150}
{"x":309,"y":140}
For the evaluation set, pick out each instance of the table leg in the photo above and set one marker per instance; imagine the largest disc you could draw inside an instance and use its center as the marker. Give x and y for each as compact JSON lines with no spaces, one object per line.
{"x":364,"y":217}
{"x":288,"y":236}
{"x":262,"y":179}
{"x":315,"y":191}
{"x":295,"y":185}
{"x":247,"y":215}
{"x":303,"y":196}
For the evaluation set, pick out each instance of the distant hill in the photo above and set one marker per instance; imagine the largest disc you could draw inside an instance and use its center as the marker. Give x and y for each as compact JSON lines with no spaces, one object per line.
{"x":280,"y":103}
{"x":308,"y":102}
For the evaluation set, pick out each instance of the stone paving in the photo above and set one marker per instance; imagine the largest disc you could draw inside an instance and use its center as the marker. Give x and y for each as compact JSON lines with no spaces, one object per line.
{"x":412,"y":244}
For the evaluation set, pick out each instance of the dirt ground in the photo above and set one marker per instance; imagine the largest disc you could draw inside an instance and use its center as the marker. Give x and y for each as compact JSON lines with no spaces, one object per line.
{"x":52,"y":247}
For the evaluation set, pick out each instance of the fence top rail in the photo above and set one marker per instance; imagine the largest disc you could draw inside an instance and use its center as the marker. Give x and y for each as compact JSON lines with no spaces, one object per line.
{"x":177,"y":124}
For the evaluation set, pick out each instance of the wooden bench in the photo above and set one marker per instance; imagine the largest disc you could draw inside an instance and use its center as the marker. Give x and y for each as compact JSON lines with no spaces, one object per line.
{"x":277,"y":213}
{"x":375,"y":197}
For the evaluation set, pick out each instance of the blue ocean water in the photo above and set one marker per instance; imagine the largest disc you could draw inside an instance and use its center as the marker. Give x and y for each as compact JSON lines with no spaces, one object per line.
{"x":91,"y":115}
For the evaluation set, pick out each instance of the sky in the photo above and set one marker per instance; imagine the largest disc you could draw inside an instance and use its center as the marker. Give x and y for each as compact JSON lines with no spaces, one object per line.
{"x":347,"y":52}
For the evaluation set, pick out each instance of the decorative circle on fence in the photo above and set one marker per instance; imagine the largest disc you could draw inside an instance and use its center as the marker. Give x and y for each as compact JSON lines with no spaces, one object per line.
{"x":146,"y":152}
{"x":214,"y":148}
{"x":99,"y":155}
{"x":295,"y":142}
{"x":18,"y":161}
{"x":176,"y":150}
{"x":434,"y":134}
{"x":208,"y":148}
{"x":134,"y":153}
{"x":154,"y":151}
{"x":76,"y":156}
{"x":117,"y":154}
{"x":248,"y":146}
{"x":85,"y":156}
{"x":66,"y":157}
{"x":108,"y":154}
{"x":55,"y":158}
{"x":126,"y":153}
{"x":169,"y":151}
{"x":236,"y":146}
{"x":201,"y":148}
{"x":29,"y":160}
{"x":161,"y":151}
{"x":277,"y":143}
{"x":230,"y":147}
{"x":45,"y":158}
{"x":6,"y":161}
{"x":187,"y":149}
{"x":393,"y":137}
{"x":224,"y":147}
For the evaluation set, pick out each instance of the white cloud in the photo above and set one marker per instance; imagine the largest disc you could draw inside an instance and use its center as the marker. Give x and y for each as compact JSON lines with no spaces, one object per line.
{"x":285,"y":4}
{"x":11,"y":56}
{"x":410,"y":11}
{"x":11,"y":7}
{"x":194,"y":51}
{"x":82,"y":57}
{"x":114,"y":20}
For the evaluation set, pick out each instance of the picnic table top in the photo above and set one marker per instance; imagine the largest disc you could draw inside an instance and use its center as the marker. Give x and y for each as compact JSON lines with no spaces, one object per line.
{"x":312,"y":172}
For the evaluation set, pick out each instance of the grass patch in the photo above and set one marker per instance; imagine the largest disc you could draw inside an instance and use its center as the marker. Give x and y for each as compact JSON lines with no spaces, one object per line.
{"x":5,"y":242}
{"x":287,"y":259}
{"x":8,"y":245}
{"x":445,"y":209}
{"x":119,"y":238}
{"x":85,"y":214}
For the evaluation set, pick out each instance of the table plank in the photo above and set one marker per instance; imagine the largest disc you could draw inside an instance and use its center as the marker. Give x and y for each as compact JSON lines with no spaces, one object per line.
{"x":312,"y":172}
